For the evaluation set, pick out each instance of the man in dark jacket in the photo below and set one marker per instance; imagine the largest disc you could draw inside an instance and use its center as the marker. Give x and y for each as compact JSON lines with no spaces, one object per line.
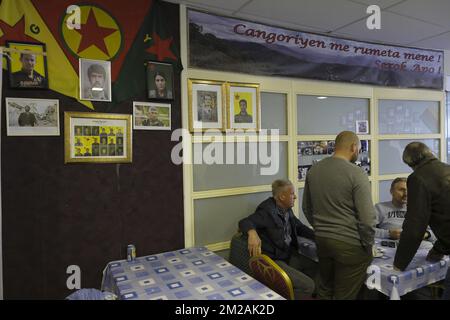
{"x":273,"y":229}
{"x":428,"y":204}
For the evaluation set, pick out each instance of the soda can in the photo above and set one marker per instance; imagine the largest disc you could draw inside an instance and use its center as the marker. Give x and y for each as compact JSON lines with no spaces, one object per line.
{"x":131,"y":252}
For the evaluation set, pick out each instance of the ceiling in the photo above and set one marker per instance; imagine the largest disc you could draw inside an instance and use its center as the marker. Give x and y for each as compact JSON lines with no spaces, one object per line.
{"x":415,"y":23}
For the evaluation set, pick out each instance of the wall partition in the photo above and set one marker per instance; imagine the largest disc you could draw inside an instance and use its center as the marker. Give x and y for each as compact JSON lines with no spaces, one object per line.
{"x":308,"y":114}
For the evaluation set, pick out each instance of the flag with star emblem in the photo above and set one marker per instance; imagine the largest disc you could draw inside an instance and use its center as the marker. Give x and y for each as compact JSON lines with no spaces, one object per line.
{"x":155,"y":41}
{"x":109,"y":30}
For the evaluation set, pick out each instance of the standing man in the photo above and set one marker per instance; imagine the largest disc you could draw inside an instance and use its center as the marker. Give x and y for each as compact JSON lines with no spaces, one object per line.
{"x":428,"y":204}
{"x":207,"y":111}
{"x":278,"y":228}
{"x":337,"y":202}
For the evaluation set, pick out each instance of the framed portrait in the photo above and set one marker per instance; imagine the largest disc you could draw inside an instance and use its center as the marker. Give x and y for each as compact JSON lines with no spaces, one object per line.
{"x":27,"y":67}
{"x":151,"y":116}
{"x":95,"y":80}
{"x":32,"y":117}
{"x":97,"y":137}
{"x":206,"y":104}
{"x":362,"y":126}
{"x":159,"y":80}
{"x":243,"y":106}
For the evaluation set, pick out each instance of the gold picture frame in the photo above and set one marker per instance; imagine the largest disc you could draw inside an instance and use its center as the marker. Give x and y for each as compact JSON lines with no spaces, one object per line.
{"x":243,"y":111}
{"x":97,"y":137}
{"x":206,"y":105}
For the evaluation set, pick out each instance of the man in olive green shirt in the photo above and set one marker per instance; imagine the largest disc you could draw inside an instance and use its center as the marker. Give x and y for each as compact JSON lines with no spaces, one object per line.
{"x":337,"y":202}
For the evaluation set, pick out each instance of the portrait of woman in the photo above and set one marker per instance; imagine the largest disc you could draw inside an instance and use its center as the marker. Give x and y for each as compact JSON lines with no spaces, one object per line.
{"x":160,"y":80}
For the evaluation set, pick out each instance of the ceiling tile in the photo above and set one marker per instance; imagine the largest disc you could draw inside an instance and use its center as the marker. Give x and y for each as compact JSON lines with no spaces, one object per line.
{"x":382,"y":3}
{"x":433,"y":11}
{"x":227,"y":6}
{"x":439,"y":42}
{"x":315,"y":13}
{"x":395,"y":29}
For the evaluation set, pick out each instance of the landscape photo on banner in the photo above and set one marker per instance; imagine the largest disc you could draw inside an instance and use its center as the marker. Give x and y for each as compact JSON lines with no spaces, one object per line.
{"x":229,"y":44}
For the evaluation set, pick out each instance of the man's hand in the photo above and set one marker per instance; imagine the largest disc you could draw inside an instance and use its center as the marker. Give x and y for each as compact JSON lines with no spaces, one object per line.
{"x":395,"y":233}
{"x":434,"y":256}
{"x":254,"y":243}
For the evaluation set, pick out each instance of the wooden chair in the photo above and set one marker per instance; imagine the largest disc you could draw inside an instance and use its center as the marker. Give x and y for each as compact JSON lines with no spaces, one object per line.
{"x":266,"y":271}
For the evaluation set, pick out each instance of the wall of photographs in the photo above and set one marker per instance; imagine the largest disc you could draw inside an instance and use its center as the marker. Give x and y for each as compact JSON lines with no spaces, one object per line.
{"x":308,"y":115}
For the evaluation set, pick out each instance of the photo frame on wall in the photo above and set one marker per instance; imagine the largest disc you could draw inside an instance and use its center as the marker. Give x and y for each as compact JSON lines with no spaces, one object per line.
{"x":27,"y":67}
{"x":95,"y":80}
{"x":97,"y":137}
{"x":206,"y":104}
{"x":32,"y":117}
{"x":160,"y":80}
{"x":243,"y":106}
{"x":151,"y":116}
{"x":362,"y":127}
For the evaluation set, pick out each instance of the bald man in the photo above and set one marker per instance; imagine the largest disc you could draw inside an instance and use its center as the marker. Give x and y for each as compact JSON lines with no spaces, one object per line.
{"x":337,"y":202}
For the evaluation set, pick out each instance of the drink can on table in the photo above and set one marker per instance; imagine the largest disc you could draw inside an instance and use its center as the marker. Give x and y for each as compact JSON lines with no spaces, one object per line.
{"x":131,"y":252}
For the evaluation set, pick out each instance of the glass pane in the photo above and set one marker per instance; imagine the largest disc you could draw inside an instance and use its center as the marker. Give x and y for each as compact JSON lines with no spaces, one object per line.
{"x":448,"y":127}
{"x":273,"y":111}
{"x":300,"y":210}
{"x":311,"y":152}
{"x":405,"y":116}
{"x":263,"y":166}
{"x":331,"y":115}
{"x":384,"y":190}
{"x":216,"y":219}
{"x":391,"y":151}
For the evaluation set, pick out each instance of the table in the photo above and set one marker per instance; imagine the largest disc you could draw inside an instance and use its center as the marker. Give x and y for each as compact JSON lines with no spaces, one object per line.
{"x":188,"y":274}
{"x":383,"y":277}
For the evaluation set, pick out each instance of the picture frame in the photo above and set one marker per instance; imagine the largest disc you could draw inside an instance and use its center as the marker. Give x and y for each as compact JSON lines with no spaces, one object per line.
{"x":206,"y":104}
{"x":243,"y":110}
{"x":97,"y":137}
{"x":151,"y":116}
{"x":27,"y":66}
{"x":160,"y":80}
{"x":32,"y":117}
{"x":95,"y":80}
{"x":362,"y":127}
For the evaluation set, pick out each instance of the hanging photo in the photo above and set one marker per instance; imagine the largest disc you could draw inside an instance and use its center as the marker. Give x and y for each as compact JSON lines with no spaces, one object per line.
{"x":243,"y":106}
{"x":27,"y":67}
{"x":160,"y":80}
{"x":32,"y":117}
{"x":206,"y":103}
{"x":151,"y":116}
{"x":97,"y":137}
{"x":95,"y":80}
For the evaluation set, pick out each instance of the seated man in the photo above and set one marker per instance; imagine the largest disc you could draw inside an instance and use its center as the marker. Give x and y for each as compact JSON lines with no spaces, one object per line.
{"x":391,"y":214}
{"x":278,"y":228}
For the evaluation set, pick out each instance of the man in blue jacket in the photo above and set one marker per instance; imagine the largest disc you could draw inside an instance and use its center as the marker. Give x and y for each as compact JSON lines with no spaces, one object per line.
{"x":273,"y":230}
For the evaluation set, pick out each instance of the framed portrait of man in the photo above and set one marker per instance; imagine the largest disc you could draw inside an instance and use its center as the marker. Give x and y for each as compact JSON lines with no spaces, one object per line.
{"x":32,"y":117}
{"x":95,"y":80}
{"x":151,"y":116}
{"x":243,"y":106}
{"x":206,"y":101}
{"x":159,"y":80}
{"x":27,"y":67}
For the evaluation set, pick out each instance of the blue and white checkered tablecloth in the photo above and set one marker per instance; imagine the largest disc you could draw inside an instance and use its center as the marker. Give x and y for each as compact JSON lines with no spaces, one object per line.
{"x":383,"y":277}
{"x":187,"y":274}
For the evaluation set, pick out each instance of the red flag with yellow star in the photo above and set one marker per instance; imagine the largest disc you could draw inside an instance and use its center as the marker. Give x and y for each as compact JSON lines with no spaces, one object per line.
{"x":109,"y":30}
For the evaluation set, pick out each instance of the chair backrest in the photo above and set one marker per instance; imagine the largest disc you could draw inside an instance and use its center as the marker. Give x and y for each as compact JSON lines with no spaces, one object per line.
{"x":239,"y":255}
{"x":265,"y":270}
